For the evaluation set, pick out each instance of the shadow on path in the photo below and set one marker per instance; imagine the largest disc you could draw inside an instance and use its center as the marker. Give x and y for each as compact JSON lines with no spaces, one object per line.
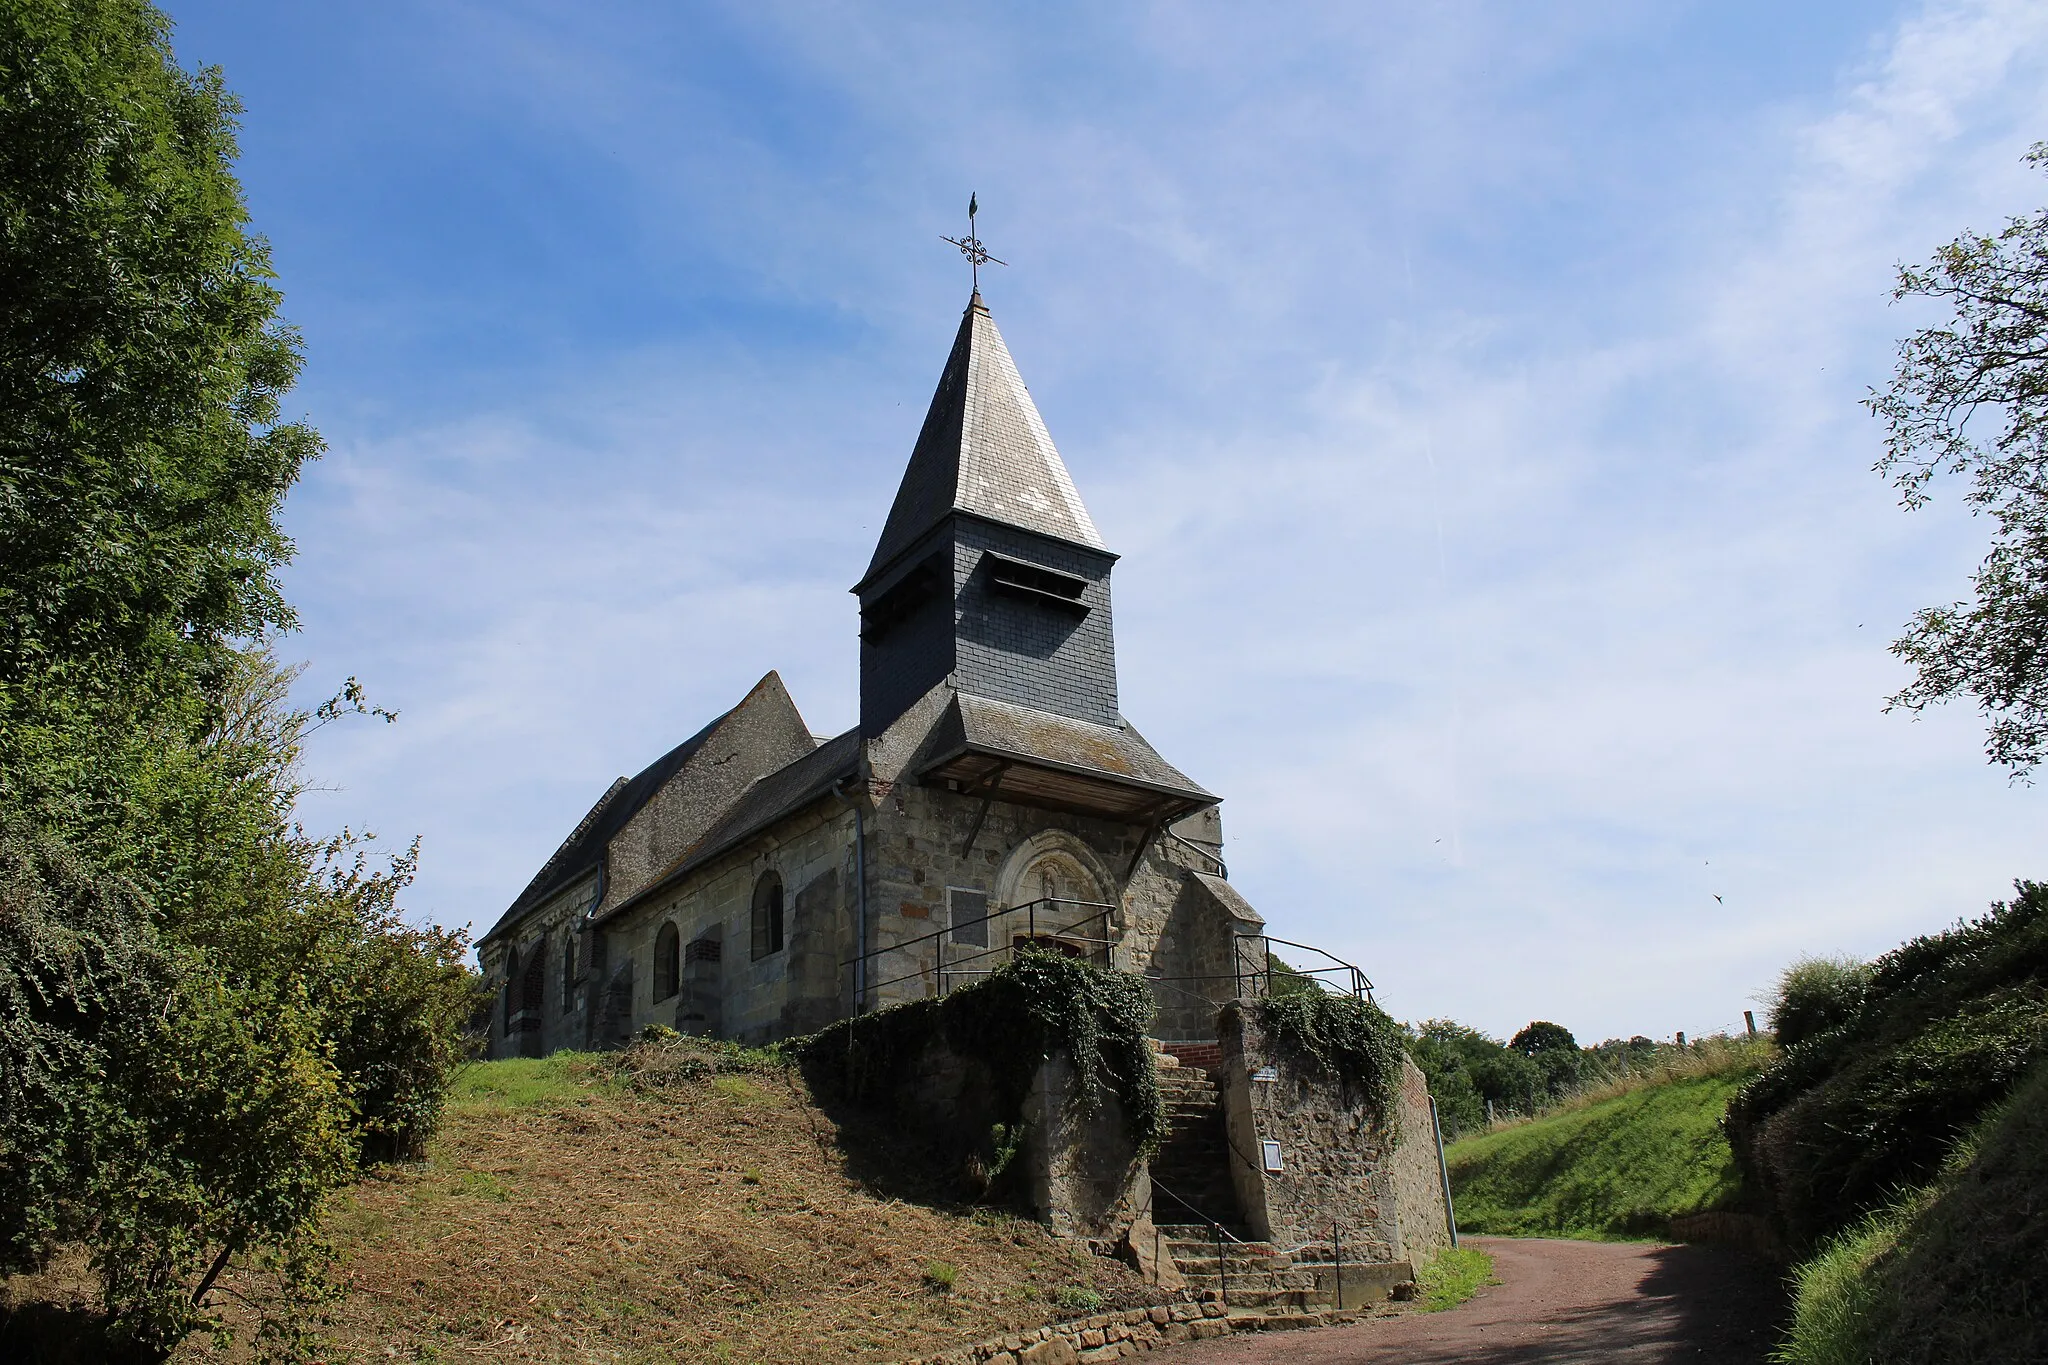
{"x":1588,"y":1303}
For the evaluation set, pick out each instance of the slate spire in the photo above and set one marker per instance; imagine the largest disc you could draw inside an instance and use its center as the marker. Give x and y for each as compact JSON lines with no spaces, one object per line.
{"x":983,"y":450}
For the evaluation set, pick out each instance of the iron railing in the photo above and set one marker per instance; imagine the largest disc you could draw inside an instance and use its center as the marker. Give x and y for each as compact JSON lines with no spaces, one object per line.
{"x":969,"y":949}
{"x":1257,"y":969}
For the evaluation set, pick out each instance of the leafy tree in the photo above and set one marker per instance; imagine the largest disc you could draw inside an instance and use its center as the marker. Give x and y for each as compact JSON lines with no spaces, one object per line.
{"x":1466,"y":1069}
{"x":141,"y":357}
{"x":1970,"y":397}
{"x":1554,"y":1051}
{"x":1541,"y":1037}
{"x":207,"y":1017}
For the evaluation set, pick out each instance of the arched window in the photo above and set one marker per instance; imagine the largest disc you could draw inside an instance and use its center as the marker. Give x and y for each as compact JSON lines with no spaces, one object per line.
{"x":767,"y":915}
{"x":511,"y":986}
{"x":535,"y":981}
{"x":568,"y":971}
{"x":667,"y":962}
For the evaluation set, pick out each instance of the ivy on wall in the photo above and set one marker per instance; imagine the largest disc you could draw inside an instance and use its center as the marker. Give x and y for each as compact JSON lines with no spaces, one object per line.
{"x":1038,"y":1004}
{"x":1338,"y":1037}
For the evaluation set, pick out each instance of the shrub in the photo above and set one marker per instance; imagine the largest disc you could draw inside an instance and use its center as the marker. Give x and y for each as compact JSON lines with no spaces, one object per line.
{"x":1072,"y":1298}
{"x":1944,"y":1027}
{"x":1947,"y":1273}
{"x":1816,"y":994}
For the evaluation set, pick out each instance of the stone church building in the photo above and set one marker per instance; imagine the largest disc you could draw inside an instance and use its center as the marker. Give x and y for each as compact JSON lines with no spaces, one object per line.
{"x":755,"y":882}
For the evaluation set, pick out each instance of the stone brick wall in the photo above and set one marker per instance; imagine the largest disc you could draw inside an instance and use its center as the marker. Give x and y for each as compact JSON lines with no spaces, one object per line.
{"x":1097,"y":1340}
{"x":1085,"y":1176}
{"x":918,"y":849}
{"x":1340,"y":1166}
{"x":553,"y":930}
{"x":1424,"y":1222}
{"x":761,"y":735}
{"x":797,"y":989}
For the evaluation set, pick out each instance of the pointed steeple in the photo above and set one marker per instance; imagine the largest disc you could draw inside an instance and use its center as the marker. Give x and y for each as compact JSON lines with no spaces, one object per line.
{"x":984,"y":450}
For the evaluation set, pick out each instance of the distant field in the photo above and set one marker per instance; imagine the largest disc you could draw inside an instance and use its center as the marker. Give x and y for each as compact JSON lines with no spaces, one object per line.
{"x":1616,"y":1168}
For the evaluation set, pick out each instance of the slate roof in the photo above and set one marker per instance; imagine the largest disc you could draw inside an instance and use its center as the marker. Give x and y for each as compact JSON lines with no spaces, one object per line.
{"x":584,"y":849}
{"x":1119,"y":756}
{"x":1229,"y":898}
{"x":985,"y":450}
{"x":781,"y":793}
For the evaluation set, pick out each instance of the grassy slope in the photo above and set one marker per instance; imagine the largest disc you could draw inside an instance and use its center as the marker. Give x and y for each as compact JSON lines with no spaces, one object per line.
{"x":566,"y":1216}
{"x":1951,"y":1273}
{"x":1619,"y":1167}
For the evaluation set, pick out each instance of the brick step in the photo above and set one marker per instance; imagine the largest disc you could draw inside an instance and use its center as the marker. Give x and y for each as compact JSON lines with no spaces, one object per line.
{"x":1212,"y":1202}
{"x":1202,"y":1256}
{"x":1204,"y":1199}
{"x":1200,"y":1238}
{"x":1286,"y":1300}
{"x":1202,"y":1275}
{"x":1286,"y":1319}
{"x":1201,"y":1232}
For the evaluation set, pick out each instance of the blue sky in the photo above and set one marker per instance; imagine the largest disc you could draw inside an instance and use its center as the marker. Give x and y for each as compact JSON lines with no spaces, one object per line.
{"x":1471,"y":389}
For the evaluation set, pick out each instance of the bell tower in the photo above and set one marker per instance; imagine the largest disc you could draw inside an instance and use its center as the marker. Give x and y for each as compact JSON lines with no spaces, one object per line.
{"x":989,"y":573}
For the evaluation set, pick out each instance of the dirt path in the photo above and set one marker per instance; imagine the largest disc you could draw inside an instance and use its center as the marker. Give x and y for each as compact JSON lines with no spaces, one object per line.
{"x":1596,"y":1303}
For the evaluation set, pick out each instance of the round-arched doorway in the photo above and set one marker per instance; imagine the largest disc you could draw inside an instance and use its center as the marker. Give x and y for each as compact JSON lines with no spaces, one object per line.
{"x":1054,"y":892}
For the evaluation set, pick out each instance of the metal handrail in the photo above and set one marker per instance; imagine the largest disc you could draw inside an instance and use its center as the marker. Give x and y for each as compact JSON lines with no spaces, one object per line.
{"x":1260,"y":973}
{"x":943,"y":970}
{"x":1222,"y":1233}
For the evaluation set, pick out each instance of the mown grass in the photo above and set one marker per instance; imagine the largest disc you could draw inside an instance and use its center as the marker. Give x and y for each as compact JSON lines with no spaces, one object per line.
{"x":1616,"y":1167}
{"x":522,"y":1083}
{"x":674,"y":1201}
{"x":1453,"y":1277}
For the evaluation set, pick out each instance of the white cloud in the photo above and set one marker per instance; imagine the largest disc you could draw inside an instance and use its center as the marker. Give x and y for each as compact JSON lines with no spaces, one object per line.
{"x":1513,"y":569}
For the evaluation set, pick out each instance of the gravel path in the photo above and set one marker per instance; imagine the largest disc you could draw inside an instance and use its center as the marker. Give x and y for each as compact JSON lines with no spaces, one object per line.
{"x":1589,"y":1303}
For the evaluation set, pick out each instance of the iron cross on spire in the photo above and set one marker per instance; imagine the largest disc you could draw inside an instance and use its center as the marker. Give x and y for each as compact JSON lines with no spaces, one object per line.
{"x":971,"y":247}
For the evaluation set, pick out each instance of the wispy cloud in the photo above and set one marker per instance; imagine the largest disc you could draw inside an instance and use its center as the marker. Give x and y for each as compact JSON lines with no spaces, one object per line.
{"x":1471,"y":392}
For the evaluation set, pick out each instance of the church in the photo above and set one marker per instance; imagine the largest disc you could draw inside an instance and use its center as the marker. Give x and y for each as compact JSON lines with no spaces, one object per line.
{"x":757,"y":882}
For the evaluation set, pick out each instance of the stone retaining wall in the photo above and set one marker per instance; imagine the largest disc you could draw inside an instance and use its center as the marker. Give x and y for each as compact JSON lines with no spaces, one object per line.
{"x":1091,"y":1341}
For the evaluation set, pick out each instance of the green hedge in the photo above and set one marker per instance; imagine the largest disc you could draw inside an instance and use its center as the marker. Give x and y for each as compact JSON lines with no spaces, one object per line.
{"x":1943,"y":1029}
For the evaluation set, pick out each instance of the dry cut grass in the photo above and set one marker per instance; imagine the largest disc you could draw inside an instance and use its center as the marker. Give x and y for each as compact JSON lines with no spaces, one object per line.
{"x":689,"y":1206}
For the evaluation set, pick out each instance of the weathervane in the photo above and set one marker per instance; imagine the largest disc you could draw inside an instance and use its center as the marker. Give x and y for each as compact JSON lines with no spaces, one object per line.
{"x":971,"y":247}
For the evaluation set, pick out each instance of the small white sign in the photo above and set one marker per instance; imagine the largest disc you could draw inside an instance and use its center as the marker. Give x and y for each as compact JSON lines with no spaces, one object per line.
{"x":1272,"y":1153}
{"x":1266,"y":1073}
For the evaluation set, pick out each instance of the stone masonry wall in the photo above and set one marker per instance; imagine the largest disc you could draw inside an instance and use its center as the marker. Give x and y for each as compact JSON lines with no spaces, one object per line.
{"x":1417,"y":1178}
{"x":1340,"y":1166}
{"x":918,"y":848}
{"x":794,"y":990}
{"x":553,"y":930}
{"x":1097,"y":1340}
{"x":1086,"y":1179}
